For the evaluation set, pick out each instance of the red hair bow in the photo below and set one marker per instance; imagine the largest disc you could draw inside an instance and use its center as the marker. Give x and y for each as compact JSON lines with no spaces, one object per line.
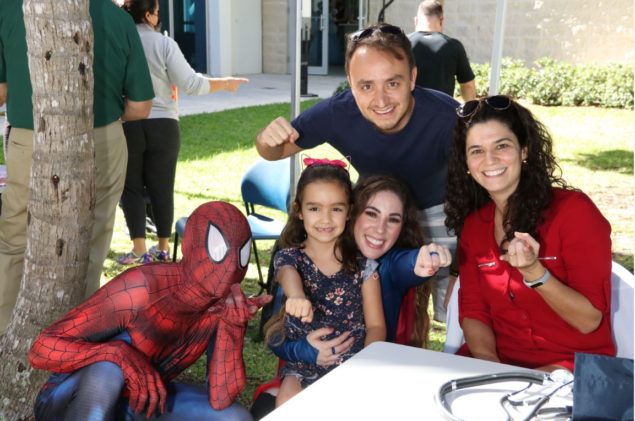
{"x":324,"y":161}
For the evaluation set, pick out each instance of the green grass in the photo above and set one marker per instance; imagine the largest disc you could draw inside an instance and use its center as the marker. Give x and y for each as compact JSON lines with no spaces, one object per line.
{"x":594,"y":147}
{"x":595,"y":150}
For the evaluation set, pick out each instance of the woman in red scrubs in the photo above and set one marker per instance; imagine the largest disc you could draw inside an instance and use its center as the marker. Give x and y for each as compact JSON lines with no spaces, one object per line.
{"x":534,"y":254}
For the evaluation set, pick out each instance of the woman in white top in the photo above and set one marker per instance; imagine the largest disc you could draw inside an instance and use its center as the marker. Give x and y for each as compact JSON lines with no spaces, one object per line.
{"x":153,"y":144}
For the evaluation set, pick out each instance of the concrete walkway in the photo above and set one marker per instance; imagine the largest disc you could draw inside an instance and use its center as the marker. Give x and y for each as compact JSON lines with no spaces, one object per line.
{"x":261,"y":89}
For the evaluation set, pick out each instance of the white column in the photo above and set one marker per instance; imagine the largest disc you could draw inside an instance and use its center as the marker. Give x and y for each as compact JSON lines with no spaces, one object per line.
{"x":219,"y":38}
{"x":246,"y":35}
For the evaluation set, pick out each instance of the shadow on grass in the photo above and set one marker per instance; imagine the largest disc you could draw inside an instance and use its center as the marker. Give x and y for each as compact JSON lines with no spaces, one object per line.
{"x":208,"y":197}
{"x":619,"y":160}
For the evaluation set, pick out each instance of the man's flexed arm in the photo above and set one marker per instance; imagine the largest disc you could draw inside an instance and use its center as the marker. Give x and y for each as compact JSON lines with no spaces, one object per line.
{"x":277,"y":140}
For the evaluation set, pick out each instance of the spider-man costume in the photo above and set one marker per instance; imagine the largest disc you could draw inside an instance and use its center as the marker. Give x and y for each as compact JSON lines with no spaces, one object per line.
{"x":152,"y":322}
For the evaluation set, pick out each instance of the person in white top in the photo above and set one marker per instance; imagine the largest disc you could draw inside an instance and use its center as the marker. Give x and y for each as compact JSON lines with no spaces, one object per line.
{"x":153,"y":144}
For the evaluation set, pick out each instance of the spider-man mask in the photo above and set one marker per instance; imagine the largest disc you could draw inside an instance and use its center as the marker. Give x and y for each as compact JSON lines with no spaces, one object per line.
{"x":216,"y":248}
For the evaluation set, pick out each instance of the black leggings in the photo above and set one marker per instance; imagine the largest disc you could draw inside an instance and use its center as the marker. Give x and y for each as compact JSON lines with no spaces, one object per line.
{"x":153,"y":149}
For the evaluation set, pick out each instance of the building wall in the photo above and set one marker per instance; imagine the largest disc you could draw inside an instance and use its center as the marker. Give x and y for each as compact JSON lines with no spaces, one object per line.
{"x":576,"y":31}
{"x":234,"y":37}
{"x":246,"y":36}
{"x":275,"y":49}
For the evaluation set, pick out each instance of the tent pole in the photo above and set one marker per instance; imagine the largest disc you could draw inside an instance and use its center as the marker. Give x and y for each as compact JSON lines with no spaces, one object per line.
{"x":295,"y":29}
{"x":497,"y":47}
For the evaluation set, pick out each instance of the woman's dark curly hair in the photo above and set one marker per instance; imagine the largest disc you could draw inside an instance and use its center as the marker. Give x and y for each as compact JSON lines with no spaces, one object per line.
{"x":409,"y":237}
{"x":294,"y":234}
{"x":538,"y":174}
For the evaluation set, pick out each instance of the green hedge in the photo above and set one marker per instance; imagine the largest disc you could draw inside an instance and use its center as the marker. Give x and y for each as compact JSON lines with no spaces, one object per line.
{"x":551,"y":82}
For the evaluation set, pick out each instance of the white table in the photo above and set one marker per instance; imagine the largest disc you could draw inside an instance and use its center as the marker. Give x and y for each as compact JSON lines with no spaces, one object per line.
{"x":397,"y":383}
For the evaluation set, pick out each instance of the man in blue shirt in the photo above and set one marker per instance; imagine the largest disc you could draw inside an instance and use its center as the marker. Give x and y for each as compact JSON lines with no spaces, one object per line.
{"x":383,"y":125}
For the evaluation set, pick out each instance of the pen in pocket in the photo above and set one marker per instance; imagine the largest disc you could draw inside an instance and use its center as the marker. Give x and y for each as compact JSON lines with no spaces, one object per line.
{"x":486,"y":264}
{"x":493,"y":263}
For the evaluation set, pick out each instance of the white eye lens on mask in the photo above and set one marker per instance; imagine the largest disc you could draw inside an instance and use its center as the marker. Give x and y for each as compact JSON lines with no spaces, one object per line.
{"x":244,"y":254}
{"x":216,"y":245}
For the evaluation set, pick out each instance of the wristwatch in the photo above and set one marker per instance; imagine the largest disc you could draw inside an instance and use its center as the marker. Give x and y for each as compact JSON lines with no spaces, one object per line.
{"x":534,"y":284}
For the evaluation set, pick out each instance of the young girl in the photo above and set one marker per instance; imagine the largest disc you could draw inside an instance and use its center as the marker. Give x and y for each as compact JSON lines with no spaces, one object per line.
{"x":323,"y":280}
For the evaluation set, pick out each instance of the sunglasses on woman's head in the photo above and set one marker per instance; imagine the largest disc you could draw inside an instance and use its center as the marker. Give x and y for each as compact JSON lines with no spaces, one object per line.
{"x":386,"y":29}
{"x":496,"y":102}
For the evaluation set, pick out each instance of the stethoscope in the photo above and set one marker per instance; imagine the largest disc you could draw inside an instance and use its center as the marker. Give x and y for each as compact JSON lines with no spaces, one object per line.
{"x":560,"y":378}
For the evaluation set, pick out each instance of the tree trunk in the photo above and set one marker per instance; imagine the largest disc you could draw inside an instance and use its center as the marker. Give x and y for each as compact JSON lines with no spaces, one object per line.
{"x":60,"y":210}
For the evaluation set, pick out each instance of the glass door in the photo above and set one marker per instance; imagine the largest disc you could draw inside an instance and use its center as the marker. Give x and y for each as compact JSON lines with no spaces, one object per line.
{"x":189,"y":31}
{"x":315,"y":32}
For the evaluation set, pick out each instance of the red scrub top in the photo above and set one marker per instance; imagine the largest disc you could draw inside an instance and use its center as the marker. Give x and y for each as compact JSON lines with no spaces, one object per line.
{"x":528,"y":332}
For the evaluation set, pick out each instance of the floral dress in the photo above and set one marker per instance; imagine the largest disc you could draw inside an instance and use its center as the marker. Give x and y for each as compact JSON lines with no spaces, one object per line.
{"x":337,"y":303}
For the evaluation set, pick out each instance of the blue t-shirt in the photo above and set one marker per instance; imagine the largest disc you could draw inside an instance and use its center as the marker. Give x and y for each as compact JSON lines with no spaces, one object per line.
{"x":417,"y":155}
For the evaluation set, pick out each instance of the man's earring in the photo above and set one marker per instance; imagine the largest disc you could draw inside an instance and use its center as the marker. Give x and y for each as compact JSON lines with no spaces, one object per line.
{"x":468,"y":172}
{"x":524,"y":161}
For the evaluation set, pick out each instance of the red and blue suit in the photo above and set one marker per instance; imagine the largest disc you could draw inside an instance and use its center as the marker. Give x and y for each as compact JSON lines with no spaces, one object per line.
{"x":116,"y":354}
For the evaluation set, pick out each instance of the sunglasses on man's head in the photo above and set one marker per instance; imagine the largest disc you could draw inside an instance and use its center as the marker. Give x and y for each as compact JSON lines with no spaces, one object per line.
{"x":386,"y":29}
{"x":497,"y":102}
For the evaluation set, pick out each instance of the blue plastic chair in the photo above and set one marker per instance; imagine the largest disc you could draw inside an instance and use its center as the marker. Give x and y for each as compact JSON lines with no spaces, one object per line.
{"x":266,"y":184}
{"x":179,"y":229}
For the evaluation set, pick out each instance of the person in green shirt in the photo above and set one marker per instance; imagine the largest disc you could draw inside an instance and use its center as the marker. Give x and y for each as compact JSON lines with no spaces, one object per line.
{"x":122,"y":91}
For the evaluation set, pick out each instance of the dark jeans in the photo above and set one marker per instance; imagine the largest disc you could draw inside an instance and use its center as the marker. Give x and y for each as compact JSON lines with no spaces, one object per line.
{"x":153,"y":149}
